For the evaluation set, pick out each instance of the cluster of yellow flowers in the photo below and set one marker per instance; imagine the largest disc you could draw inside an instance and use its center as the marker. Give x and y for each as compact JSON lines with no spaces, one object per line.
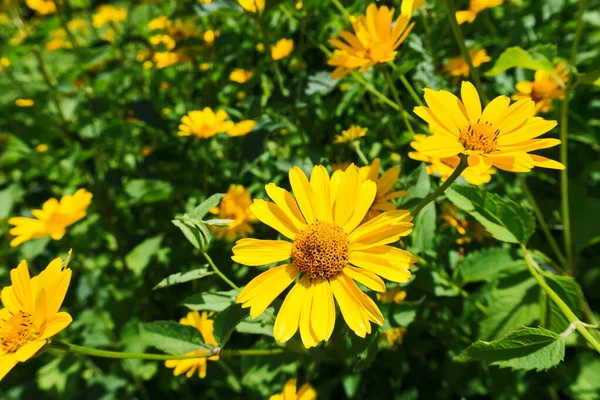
{"x":206,"y":123}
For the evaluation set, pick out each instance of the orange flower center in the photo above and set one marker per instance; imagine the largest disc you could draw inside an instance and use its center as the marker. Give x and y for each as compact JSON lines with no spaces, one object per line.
{"x":321,"y":250}
{"x":541,"y":90}
{"x":479,"y":137}
{"x":17,"y":331}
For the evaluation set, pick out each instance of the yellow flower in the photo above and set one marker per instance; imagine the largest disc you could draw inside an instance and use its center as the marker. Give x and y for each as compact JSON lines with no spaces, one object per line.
{"x":146,"y":151}
{"x":394,"y":295}
{"x":408,"y":7}
{"x":78,"y":25}
{"x":375,"y":40}
{"x":209,"y":36}
{"x":205,"y":123}
{"x":330,"y":248}
{"x":282,"y":49}
{"x":260,"y":47}
{"x":351,"y":134}
{"x":242,"y":128}
{"x":501,"y":135}
{"x":385,"y":188}
{"x":204,"y":66}
{"x":53,"y":219}
{"x":159,"y":23}
{"x":183,"y":30}
{"x":235,"y":205}
{"x":31,"y":312}
{"x":444,"y":166}
{"x":240,"y":75}
{"x":58,"y":40}
{"x":475,"y":7}
{"x":24,"y":102}
{"x":457,"y":66}
{"x":41,"y":148}
{"x":204,"y":1}
{"x":252,"y":5}
{"x":147,"y":64}
{"x":544,"y":88}
{"x":393,"y":337}
{"x":299,"y":5}
{"x":467,"y":230}
{"x":164,"y":59}
{"x":42,"y":7}
{"x":4,"y":19}
{"x":306,"y":392}
{"x":4,"y":63}
{"x":106,"y":13}
{"x":205,"y":326}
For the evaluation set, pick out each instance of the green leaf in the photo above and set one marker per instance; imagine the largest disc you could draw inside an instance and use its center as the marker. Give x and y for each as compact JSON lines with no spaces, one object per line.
{"x":148,"y":190}
{"x":261,"y":325}
{"x":138,"y":259}
{"x":320,"y":83}
{"x":210,"y":301}
{"x":587,"y":385}
{"x":204,"y":207}
{"x":423,"y":235}
{"x":172,"y":337}
{"x":569,"y":291}
{"x":8,"y":197}
{"x":590,"y":78}
{"x":226,"y":321}
{"x":536,"y":59}
{"x":483,"y":265}
{"x":195,"y":231}
{"x":525,"y":349}
{"x":404,"y":313}
{"x":504,"y":219}
{"x":369,"y":354}
{"x":182,"y":277}
{"x":218,"y":222}
{"x":14,"y":150}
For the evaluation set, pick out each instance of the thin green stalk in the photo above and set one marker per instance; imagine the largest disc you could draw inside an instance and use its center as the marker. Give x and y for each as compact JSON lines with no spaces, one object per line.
{"x":392,"y":87}
{"x":407,"y":84}
{"x":265,"y":32}
{"x":466,"y":295}
{"x":218,"y":272}
{"x":541,"y":220}
{"x":579,"y":325}
{"x":462,"y":165}
{"x":342,"y":9}
{"x":460,"y":40}
{"x":361,"y":155}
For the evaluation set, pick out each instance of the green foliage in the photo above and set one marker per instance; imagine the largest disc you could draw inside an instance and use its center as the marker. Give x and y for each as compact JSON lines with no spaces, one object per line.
{"x":483,"y":265}
{"x":182,"y":277}
{"x":172,"y":337}
{"x":539,"y":58}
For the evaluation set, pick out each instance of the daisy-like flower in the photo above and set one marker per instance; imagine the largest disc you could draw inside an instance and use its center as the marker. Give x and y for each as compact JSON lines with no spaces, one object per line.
{"x":330,"y":249}
{"x":24,"y":102}
{"x":210,"y":36}
{"x":159,"y":23}
{"x":235,"y":205}
{"x":31,"y":312}
{"x":544,"y":88}
{"x":306,"y":392}
{"x":53,"y":219}
{"x":42,"y":7}
{"x":457,"y":66}
{"x":282,"y":49}
{"x":467,"y":230}
{"x":183,"y":30}
{"x":375,"y":40}
{"x":240,"y":75}
{"x":385,"y":188}
{"x":502,"y":135}
{"x":393,"y":295}
{"x":106,"y":13}
{"x":242,"y":128}
{"x":444,"y":166}
{"x":393,"y":337}
{"x":252,"y":5}
{"x":475,"y":7}
{"x":205,"y":123}
{"x":205,"y":326}
{"x":4,"y":63}
{"x":351,"y":134}
{"x":41,"y":148}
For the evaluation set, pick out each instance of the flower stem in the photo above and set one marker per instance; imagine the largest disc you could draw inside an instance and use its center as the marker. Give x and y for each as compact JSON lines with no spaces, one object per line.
{"x":579,"y":325}
{"x":265,"y":32}
{"x":460,"y":40}
{"x":361,"y":155}
{"x":406,"y":84}
{"x":218,"y":272}
{"x":340,"y":7}
{"x":462,"y":165}
{"x":390,"y":83}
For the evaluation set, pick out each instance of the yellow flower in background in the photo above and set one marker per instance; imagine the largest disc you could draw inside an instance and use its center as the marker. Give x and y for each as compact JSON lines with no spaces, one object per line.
{"x":299,"y":5}
{"x":457,"y":66}
{"x":501,"y":135}
{"x":159,"y":23}
{"x":544,"y":87}
{"x":4,"y":19}
{"x":210,"y":36}
{"x":204,"y":1}
{"x":329,"y":249}
{"x":58,"y":40}
{"x":235,"y":205}
{"x":205,"y":326}
{"x":282,"y":49}
{"x":242,"y":128}
{"x":146,"y":151}
{"x":385,"y":188}
{"x":351,"y":134}
{"x":53,"y":219}
{"x":394,"y":295}
{"x":252,"y":5}
{"x":164,"y":59}
{"x":4,"y":63}
{"x":164,"y":40}
{"x":31,"y":312}
{"x":408,"y":7}
{"x":183,"y":30}
{"x":444,"y":166}
{"x":106,"y":14}
{"x":78,"y":25}
{"x":375,"y":40}
{"x":475,"y":7}
{"x":467,"y":230}
{"x":260,"y":47}
{"x":289,"y":392}
{"x":42,"y":7}
{"x":205,"y":123}
{"x":41,"y":148}
{"x":240,"y":75}
{"x":24,"y":102}
{"x":393,"y":337}
{"x":109,"y":35}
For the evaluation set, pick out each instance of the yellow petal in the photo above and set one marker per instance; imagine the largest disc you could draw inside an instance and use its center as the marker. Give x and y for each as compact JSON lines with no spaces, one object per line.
{"x":377,"y":263}
{"x":368,"y":190}
{"x":440,"y":146}
{"x":495,"y":109}
{"x":323,"y":309}
{"x":27,"y":351}
{"x":303,"y":193}
{"x":287,"y":203}
{"x":21,"y":289}
{"x":306,"y":392}
{"x":288,"y":318}
{"x":383,"y":229}
{"x":434,"y":123}
{"x":7,"y":362}
{"x":513,"y":162}
{"x":270,"y":214}
{"x":437,"y":103}
{"x":319,"y":181}
{"x":516,"y":115}
{"x":350,"y":306}
{"x":56,"y":324}
{"x":544,"y":162}
{"x":367,"y":278}
{"x":471,"y":100}
{"x":308,"y":336}
{"x":531,"y":145}
{"x":345,"y":202}
{"x":533,"y":128}
{"x":257,"y":252}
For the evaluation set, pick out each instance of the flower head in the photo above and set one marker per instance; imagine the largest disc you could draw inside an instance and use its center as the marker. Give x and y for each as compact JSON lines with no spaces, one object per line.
{"x":394,"y":295}
{"x":393,"y":337}
{"x":351,"y":134}
{"x":289,"y":392}
{"x":475,"y":7}
{"x":375,"y":40}
{"x":159,"y":23}
{"x":330,"y":249}
{"x":183,"y":30}
{"x":106,"y":13}
{"x":164,"y":59}
{"x":502,"y":135}
{"x":282,"y":49}
{"x":467,"y":230}
{"x":242,"y":128}
{"x":544,"y":88}
{"x":42,"y":7}
{"x":235,"y":205}
{"x":240,"y":75}
{"x":205,"y":123}
{"x":53,"y":219}
{"x":385,"y":188}
{"x":252,"y":5}
{"x":457,"y":66}
{"x":31,"y":312}
{"x":205,"y":325}
{"x":24,"y":102}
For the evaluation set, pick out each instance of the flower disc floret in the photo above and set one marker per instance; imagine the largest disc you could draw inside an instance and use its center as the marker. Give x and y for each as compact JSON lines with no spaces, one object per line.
{"x":321,"y":250}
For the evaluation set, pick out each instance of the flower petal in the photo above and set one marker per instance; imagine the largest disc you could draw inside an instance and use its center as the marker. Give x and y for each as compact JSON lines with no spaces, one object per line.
{"x":303,"y":193}
{"x":287,"y":203}
{"x":257,"y":252}
{"x":350,"y":306}
{"x":368,"y":190}
{"x":367,"y":278}
{"x":288,"y":318}
{"x":471,"y":100}
{"x":319,"y":181}
{"x":270,"y":214}
{"x":307,"y":334}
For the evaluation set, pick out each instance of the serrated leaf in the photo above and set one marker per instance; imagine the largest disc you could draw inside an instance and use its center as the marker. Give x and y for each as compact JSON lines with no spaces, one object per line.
{"x":525,"y":349}
{"x":369,"y":354}
{"x":569,"y":291}
{"x":194,"y":230}
{"x":589,"y":78}
{"x":423,"y":235}
{"x":172,"y":337}
{"x":320,"y":83}
{"x":226,"y":322}
{"x":182,"y":277}
{"x":138,"y":259}
{"x":504,"y":219}
{"x":483,"y":265}
{"x":8,"y":197}
{"x":204,"y":207}
{"x":210,"y":301}
{"x":224,"y":223}
{"x":518,"y":57}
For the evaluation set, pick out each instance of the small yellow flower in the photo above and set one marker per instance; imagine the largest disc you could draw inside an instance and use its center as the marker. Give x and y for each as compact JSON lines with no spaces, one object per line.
{"x":24,"y":102}
{"x":242,"y":128}
{"x":183,"y":30}
{"x":4,"y":19}
{"x":457,"y":66}
{"x":282,"y":49}
{"x":209,"y":36}
{"x":467,"y":230}
{"x":351,"y":134}
{"x":159,"y":23}
{"x":4,"y":63}
{"x":393,"y":337}
{"x":53,"y":219}
{"x":78,"y":25}
{"x":375,"y":40}
{"x":283,"y":131}
{"x":394,"y":295}
{"x":235,"y":205}
{"x":164,"y":86}
{"x":299,"y":5}
{"x":109,"y":35}
{"x":240,"y":75}
{"x":501,"y":135}
{"x":146,"y":151}
{"x":385,"y":188}
{"x":31,"y":315}
{"x":106,"y":13}
{"x":544,"y":88}
{"x":205,"y":326}
{"x":475,"y":7}
{"x":204,"y":124}
{"x":252,"y":5}
{"x":58,"y":40}
{"x":148,"y":64}
{"x":289,"y":392}
{"x":204,"y":66}
{"x":165,"y":40}
{"x":42,"y":7}
{"x":260,"y":47}
{"x":41,"y":148}
{"x":164,"y":59}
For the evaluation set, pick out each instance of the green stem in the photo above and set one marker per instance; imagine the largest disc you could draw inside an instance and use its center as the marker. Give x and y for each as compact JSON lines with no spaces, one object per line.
{"x":579,"y":325}
{"x":218,"y":272}
{"x":265,"y":32}
{"x":392,"y":87}
{"x":407,"y":84}
{"x":460,"y":40}
{"x":343,"y":10}
{"x":466,"y":295}
{"x":361,"y":155}
{"x":541,"y":220}
{"x":462,"y":165}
